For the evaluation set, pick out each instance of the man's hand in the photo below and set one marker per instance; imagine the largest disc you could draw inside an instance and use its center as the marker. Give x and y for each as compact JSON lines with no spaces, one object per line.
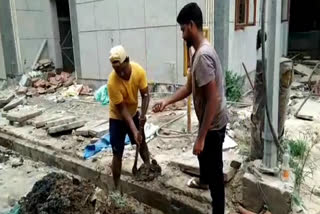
{"x":198,"y":146}
{"x":137,"y":137}
{"x":159,"y":106}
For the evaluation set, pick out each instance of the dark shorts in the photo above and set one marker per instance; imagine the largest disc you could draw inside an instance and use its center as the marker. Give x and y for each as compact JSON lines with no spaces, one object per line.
{"x":210,"y":160}
{"x":118,"y":131}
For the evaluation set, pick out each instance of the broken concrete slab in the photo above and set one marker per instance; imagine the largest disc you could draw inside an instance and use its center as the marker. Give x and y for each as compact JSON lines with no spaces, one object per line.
{"x":302,"y":70}
{"x":25,"y":81}
{"x":277,"y":193}
{"x":66,"y":127}
{"x":84,"y":131}
{"x":188,"y":163}
{"x":4,"y":100}
{"x":42,"y":120}
{"x":14,"y":103}
{"x":99,"y":131}
{"x":61,"y":121}
{"x":23,"y":115}
{"x":305,"y":80}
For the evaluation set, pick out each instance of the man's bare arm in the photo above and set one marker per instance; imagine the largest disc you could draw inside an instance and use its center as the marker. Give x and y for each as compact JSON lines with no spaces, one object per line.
{"x":127,"y":117}
{"x":145,"y":101}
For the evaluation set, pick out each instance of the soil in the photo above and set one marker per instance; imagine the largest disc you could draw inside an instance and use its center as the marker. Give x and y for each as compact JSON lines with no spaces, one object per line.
{"x":148,"y":173}
{"x":56,"y":193}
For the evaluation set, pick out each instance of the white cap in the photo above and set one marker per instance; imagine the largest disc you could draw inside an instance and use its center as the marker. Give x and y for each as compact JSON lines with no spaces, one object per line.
{"x":118,"y":54}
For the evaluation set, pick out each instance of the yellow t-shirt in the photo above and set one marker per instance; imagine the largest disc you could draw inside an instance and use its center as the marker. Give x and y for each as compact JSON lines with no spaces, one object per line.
{"x":124,"y":91}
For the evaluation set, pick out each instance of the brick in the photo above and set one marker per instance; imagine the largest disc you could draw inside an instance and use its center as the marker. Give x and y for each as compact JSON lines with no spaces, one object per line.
{"x":23,"y":115}
{"x":14,"y":103}
{"x":66,"y":127}
{"x":61,"y":121}
{"x":99,"y":131}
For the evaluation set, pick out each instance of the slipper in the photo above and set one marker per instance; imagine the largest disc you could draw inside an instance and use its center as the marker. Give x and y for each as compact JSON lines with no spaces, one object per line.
{"x":195,"y":183}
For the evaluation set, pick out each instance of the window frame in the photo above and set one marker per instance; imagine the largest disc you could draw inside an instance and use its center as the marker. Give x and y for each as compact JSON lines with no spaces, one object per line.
{"x":288,"y":11}
{"x":247,"y":9}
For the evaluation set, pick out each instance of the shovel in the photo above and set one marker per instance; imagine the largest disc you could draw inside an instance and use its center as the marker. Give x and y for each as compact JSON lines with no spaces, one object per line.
{"x":134,"y":168}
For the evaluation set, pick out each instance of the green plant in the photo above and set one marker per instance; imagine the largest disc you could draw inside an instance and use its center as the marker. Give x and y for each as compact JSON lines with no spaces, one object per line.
{"x":234,"y":86}
{"x":118,"y":200}
{"x":300,"y":151}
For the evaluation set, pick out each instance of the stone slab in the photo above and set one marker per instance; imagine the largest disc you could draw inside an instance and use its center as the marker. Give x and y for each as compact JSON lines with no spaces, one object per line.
{"x":23,"y":115}
{"x":64,"y":120}
{"x":4,"y":100}
{"x":188,"y":163}
{"x":66,"y":127}
{"x":84,"y":131}
{"x":277,"y":194}
{"x":14,"y":103}
{"x":43,"y":120}
{"x":99,"y":131}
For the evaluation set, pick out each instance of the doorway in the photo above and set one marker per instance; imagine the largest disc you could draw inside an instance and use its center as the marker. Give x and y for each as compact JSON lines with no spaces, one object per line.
{"x":66,"y":43}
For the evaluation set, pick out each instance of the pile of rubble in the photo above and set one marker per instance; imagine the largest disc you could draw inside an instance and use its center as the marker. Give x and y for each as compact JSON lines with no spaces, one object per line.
{"x":307,"y":76}
{"x":46,"y":79}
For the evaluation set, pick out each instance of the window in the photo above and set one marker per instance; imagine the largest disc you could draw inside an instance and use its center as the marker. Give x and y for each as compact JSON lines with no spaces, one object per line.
{"x":285,"y":10}
{"x":245,"y":13}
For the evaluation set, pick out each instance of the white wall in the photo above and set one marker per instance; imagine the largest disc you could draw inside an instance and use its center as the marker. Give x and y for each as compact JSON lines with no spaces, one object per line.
{"x":242,"y":43}
{"x":36,"y":20}
{"x":146,"y":28}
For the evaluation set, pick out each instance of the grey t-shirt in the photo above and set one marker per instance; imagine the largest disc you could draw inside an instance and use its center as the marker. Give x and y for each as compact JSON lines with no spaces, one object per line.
{"x":205,"y":67}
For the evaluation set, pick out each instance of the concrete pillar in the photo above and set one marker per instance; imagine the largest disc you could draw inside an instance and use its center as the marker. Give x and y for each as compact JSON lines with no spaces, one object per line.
{"x":221,"y":30}
{"x":75,"y":37}
{"x":273,"y":53}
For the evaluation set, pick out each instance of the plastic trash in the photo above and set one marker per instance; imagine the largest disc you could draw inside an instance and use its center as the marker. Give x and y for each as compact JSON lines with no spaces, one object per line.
{"x":101,"y":95}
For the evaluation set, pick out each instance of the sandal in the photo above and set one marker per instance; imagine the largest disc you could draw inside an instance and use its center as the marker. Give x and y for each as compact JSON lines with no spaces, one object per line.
{"x":195,"y":183}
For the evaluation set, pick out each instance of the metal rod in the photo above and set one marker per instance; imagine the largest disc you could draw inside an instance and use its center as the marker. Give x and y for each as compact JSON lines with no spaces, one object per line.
{"x":245,"y":69}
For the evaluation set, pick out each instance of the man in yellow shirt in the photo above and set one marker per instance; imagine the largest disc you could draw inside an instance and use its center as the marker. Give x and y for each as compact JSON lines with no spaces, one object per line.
{"x":124,"y":82}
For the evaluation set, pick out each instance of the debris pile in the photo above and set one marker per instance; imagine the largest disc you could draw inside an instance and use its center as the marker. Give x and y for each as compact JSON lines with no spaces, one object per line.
{"x":57,"y":193}
{"x":44,"y":65}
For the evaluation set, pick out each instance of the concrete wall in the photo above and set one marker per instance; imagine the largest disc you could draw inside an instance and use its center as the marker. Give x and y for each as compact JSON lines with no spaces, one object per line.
{"x":2,"y":65}
{"x":242,"y":43}
{"x":284,"y":38}
{"x":146,"y":28}
{"x":7,"y":39}
{"x":35,"y":21}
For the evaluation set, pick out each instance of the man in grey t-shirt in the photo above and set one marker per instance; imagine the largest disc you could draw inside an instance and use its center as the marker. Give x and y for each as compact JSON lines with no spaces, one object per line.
{"x":206,"y":83}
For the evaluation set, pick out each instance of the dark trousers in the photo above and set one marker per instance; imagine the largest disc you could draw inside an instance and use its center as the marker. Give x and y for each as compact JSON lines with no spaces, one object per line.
{"x":211,"y":168}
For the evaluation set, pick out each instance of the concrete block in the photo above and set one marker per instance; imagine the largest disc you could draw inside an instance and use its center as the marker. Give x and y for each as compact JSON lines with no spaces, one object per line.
{"x":41,"y":122}
{"x":160,"y":13}
{"x":84,"y":131}
{"x":278,"y":195}
{"x":135,"y":9}
{"x":23,"y":115}
{"x":89,"y":55}
{"x":107,"y":14}
{"x":66,"y":127}
{"x":86,"y":16}
{"x":99,"y":131}
{"x":14,"y":103}
{"x":61,"y":121}
{"x":4,"y":100}
{"x":162,"y":60}
{"x":25,"y":81}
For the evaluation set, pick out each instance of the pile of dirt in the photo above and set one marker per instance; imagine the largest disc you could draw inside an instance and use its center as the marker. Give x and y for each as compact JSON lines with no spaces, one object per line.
{"x":56,"y":193}
{"x":148,"y":173}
